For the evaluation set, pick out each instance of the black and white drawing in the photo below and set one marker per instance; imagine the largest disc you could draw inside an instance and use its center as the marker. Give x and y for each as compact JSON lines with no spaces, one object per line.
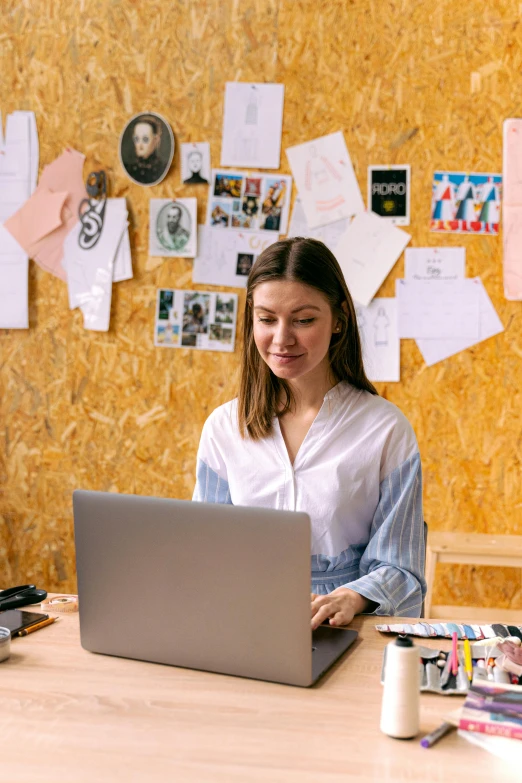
{"x":195,"y":163}
{"x":172,"y":229}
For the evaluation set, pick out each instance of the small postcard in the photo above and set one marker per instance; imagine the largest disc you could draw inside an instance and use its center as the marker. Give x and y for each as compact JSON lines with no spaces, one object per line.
{"x":464,"y":203}
{"x":389,"y":193}
{"x":173,"y":227}
{"x":195,"y":163}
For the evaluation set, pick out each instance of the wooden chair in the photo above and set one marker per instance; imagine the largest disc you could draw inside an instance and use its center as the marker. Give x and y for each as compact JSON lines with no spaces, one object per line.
{"x":474,"y":549}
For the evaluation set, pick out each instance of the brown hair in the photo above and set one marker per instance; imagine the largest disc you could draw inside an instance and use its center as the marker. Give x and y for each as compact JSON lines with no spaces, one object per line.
{"x":310,"y":262}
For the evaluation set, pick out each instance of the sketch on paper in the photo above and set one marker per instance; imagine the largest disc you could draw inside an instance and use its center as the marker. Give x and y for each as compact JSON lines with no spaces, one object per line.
{"x":325,"y":180}
{"x":380,"y":339}
{"x":252,"y":125}
{"x":195,"y":163}
{"x":329,"y":234}
{"x":465,"y":203}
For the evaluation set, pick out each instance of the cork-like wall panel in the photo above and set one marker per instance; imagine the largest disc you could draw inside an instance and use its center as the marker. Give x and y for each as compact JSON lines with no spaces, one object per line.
{"x":407,"y":81}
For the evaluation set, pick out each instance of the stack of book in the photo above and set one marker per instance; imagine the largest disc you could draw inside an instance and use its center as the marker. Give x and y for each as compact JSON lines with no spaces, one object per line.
{"x":492,"y":718}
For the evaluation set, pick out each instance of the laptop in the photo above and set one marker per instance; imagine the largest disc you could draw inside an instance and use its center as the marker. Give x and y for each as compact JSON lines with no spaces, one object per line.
{"x":200,"y":585}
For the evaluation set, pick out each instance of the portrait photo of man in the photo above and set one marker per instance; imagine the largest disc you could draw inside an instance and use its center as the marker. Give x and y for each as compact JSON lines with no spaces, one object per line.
{"x":195,"y":163}
{"x":146,"y":148}
{"x":173,"y":227}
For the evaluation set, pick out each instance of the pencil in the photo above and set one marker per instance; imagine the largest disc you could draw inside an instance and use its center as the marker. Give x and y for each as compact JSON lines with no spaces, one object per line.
{"x":467,"y":659}
{"x":37,"y":626}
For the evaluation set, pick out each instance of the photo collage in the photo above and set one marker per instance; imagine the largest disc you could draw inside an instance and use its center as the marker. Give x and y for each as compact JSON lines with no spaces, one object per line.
{"x":256,"y":202}
{"x":195,"y":319}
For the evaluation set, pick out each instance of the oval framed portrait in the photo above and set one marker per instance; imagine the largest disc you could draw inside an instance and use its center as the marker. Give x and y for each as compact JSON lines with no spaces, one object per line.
{"x":146,"y":148}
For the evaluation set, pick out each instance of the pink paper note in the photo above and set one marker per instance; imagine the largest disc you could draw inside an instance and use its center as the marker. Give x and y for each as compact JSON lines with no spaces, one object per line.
{"x":40,"y":215}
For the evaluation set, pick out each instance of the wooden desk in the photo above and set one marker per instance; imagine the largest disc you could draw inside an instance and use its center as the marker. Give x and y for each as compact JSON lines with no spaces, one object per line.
{"x":70,"y":715}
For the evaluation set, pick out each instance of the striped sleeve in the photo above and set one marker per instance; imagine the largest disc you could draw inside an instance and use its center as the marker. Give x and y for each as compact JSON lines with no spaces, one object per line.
{"x":391,"y":569}
{"x":211,"y":472}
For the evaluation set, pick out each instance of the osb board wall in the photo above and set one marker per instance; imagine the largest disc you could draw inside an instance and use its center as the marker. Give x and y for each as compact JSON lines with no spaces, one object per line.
{"x":408,"y":82}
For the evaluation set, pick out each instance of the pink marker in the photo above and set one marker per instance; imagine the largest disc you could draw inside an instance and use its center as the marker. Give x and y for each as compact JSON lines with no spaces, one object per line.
{"x":454,"y":658}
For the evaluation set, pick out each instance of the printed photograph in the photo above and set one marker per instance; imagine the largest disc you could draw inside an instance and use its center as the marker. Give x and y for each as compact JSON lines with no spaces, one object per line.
{"x":167,"y":334}
{"x":388,"y":193}
{"x":146,"y":148}
{"x":228,"y":185}
{"x":272,"y":204}
{"x":166,"y":300}
{"x":174,"y":226}
{"x":195,"y":163}
{"x":196,"y":309}
{"x":225,"y":308}
{"x":244,"y":263}
{"x":250,"y":206}
{"x":220,"y":334}
{"x":220,"y":214}
{"x":242,"y":221}
{"x":253,"y":186}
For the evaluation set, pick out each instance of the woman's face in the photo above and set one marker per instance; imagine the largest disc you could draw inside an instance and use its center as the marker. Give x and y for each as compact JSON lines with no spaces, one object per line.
{"x":293,"y":326}
{"x":145,"y":140}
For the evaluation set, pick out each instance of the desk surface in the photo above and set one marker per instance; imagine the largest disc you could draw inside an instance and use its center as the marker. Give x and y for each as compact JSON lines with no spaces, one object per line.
{"x":70,"y":715}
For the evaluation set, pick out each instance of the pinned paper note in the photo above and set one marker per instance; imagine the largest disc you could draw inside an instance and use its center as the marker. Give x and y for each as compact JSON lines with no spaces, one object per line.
{"x":434,"y":263}
{"x":195,"y":319}
{"x":226,"y":257}
{"x":380,"y":340}
{"x":329,"y":234}
{"x":325,"y":180}
{"x":195,"y":163}
{"x":252,"y":125}
{"x":434,"y":351}
{"x":512,"y":209}
{"x":19,"y":154}
{"x":438,"y":309}
{"x":366,"y":252}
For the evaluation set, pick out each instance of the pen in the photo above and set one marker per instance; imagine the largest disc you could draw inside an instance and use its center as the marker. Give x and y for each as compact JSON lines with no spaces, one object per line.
{"x":434,"y":736}
{"x":454,"y":656}
{"x":467,"y":659}
{"x":37,"y":626}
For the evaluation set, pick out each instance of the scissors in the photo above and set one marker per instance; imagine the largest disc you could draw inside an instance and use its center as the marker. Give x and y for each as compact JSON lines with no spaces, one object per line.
{"x":20,"y":596}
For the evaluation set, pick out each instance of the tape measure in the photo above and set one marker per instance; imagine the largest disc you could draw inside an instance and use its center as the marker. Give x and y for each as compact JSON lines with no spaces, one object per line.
{"x":61,"y":603}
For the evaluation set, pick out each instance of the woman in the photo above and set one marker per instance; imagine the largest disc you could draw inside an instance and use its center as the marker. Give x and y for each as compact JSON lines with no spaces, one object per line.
{"x":308,"y":432}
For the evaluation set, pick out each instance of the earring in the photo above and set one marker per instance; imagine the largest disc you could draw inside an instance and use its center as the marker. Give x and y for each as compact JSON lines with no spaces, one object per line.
{"x":337,"y":328}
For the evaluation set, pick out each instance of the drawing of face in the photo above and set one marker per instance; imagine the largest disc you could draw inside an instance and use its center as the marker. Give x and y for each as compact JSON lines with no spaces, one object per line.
{"x":145,"y":139}
{"x":173,"y":219}
{"x":195,"y":162}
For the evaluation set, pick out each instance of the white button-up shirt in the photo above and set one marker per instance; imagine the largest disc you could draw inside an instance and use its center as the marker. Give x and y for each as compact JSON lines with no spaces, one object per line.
{"x":357,"y":475}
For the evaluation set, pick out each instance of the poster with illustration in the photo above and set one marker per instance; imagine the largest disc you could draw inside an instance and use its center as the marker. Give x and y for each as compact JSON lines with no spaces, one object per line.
{"x":389,"y":193}
{"x":464,"y":203}
{"x":249,"y":202}
{"x":252,"y":125}
{"x":325,"y":180}
{"x":172,"y":227}
{"x":195,"y":319}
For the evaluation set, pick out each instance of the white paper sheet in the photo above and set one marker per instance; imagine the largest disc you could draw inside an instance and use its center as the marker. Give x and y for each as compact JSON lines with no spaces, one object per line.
{"x":435,"y":263}
{"x":329,"y":234}
{"x":173,"y":227}
{"x":438,"y":309}
{"x":366,"y":252}
{"x":90,"y":272}
{"x":325,"y":180}
{"x":123,"y":261}
{"x":252,"y":125}
{"x":226,"y":257}
{"x":195,"y":163}
{"x":19,"y":156}
{"x":512,"y":209}
{"x":434,"y":351}
{"x":202,"y":320}
{"x":380,"y":340}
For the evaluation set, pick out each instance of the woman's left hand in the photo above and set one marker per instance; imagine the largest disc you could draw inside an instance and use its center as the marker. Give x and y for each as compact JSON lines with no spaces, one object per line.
{"x":340,"y":607}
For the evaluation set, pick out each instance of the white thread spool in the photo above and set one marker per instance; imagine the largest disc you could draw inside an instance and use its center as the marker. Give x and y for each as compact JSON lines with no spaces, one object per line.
{"x":401,"y":694}
{"x":5,"y":643}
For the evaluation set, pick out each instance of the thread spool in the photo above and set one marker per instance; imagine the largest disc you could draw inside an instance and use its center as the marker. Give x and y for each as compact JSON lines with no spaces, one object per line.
{"x":5,"y":643}
{"x":61,"y":604}
{"x":401,"y":694}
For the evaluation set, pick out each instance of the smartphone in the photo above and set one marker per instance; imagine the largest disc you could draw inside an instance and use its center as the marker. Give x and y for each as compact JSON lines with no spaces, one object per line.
{"x":18,"y":619}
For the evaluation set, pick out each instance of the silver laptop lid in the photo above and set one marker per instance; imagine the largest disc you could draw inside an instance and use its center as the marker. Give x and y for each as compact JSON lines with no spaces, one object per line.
{"x":216,"y":587}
